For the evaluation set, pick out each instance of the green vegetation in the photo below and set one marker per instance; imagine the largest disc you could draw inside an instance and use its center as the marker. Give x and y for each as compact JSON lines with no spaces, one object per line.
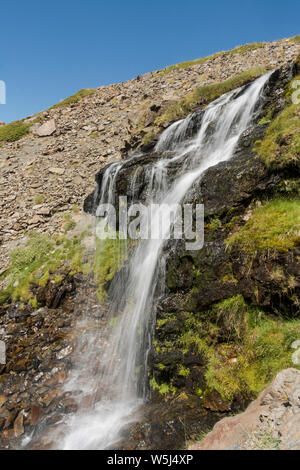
{"x":94,"y":135}
{"x":280,"y":147}
{"x":242,"y":347}
{"x":14,"y":131}
{"x":202,"y":60}
{"x":43,"y":258}
{"x":183,"y":371}
{"x":70,"y":224}
{"x":32,"y":264}
{"x":274,"y":225}
{"x":265,"y":440}
{"x":296,"y":39}
{"x":205,"y":95}
{"x":110,"y":255}
{"x":39,"y":199}
{"x":264,"y":351}
{"x":75,"y":98}
{"x":163,"y":389}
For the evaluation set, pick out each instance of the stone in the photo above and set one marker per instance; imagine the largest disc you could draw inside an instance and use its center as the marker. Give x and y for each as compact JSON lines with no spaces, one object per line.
{"x":18,"y":425}
{"x":35,"y":415}
{"x":57,"y":171}
{"x":3,"y":400}
{"x":46,"y":129}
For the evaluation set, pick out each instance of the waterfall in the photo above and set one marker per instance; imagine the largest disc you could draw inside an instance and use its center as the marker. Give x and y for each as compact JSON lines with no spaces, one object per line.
{"x":123,"y":376}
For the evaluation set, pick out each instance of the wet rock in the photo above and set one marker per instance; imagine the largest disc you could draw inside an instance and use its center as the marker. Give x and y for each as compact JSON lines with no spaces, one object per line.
{"x":214,"y":402}
{"x":35,"y":415}
{"x":18,"y":425}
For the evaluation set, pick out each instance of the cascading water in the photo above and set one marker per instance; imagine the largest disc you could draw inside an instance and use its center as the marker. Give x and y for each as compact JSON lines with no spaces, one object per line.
{"x":123,"y":376}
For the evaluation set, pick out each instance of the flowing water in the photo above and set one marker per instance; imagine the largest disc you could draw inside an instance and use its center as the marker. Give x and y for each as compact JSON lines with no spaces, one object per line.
{"x":122,"y":377}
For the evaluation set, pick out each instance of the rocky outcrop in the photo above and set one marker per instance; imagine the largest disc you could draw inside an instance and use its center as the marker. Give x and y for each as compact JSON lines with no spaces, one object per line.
{"x":45,"y":178}
{"x":97,"y":130}
{"x":271,"y":422}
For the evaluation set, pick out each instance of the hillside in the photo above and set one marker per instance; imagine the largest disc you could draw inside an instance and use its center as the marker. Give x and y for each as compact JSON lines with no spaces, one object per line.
{"x":229,"y":313}
{"x":44,"y":177}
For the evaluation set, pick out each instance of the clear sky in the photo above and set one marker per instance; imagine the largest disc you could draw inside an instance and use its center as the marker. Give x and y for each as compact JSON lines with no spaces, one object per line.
{"x":51,"y":49}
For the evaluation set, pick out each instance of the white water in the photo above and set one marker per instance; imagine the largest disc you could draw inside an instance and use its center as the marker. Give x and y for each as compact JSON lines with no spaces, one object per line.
{"x":123,"y":375}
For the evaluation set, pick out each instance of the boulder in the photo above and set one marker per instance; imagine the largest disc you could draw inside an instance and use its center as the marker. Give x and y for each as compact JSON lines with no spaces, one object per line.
{"x":272,"y":421}
{"x":46,"y":129}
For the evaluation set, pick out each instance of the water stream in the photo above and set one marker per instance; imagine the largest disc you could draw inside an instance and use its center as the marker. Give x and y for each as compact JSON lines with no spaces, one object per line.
{"x":123,"y":374}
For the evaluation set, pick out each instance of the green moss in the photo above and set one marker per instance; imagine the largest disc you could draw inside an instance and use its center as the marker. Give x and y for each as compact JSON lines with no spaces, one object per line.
{"x":74,"y":98}
{"x":280,"y":147}
{"x":264,"y":120}
{"x":274,"y":225}
{"x":214,"y":224}
{"x":163,"y":389}
{"x":205,"y":95}
{"x":202,"y":60}
{"x":184,"y":371}
{"x":242,"y":349}
{"x":110,"y":254}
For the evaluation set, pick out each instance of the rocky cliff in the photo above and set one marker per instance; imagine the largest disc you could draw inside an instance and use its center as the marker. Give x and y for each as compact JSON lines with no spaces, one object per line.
{"x":229,"y":318}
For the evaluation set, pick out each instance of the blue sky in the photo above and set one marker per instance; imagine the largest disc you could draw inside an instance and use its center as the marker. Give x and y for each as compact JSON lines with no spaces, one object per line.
{"x":51,"y":49}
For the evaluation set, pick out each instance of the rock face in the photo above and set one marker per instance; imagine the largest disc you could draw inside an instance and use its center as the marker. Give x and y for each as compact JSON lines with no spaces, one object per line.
{"x":272,"y":421}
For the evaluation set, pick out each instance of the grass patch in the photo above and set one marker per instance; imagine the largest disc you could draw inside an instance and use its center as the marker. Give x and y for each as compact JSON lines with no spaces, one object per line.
{"x":241,"y":347}
{"x":202,"y":60}
{"x":32,"y":264}
{"x":110,"y":255}
{"x":295,"y":39}
{"x":69,"y":223}
{"x":75,"y":98}
{"x":39,"y":199}
{"x":14,"y":131}
{"x":280,"y":147}
{"x":264,"y":350}
{"x":274,"y":225}
{"x":205,"y":95}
